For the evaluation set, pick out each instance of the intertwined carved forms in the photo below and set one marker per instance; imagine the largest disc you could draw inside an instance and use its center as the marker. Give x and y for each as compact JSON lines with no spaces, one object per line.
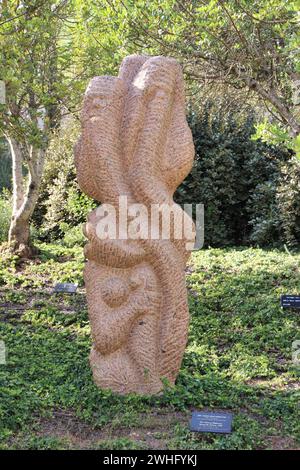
{"x":135,"y":142}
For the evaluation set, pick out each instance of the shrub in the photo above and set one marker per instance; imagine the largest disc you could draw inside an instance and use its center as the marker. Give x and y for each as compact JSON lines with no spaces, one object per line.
{"x":73,"y":235}
{"x":78,"y":204}
{"x":236,"y":178}
{"x":250,"y":190}
{"x":264,"y":216}
{"x":288,"y":201}
{"x":61,"y":201}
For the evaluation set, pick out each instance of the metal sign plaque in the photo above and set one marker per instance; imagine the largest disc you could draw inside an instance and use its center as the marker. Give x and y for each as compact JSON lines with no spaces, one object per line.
{"x":206,"y":421}
{"x":67,"y":287}
{"x":290,"y":301}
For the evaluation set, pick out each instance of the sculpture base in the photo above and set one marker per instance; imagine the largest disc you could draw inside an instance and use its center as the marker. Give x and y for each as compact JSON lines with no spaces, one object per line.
{"x":116,"y":372}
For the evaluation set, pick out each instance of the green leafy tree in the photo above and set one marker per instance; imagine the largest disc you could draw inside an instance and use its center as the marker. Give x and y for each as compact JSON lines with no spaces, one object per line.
{"x":35,"y":65}
{"x":237,"y":180}
{"x":49,"y":50}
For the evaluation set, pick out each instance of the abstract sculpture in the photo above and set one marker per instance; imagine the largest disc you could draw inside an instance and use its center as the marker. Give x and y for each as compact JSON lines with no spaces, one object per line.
{"x":135,"y":143}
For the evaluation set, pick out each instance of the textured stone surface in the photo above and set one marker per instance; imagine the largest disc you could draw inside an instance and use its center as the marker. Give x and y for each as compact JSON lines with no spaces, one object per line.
{"x":135,"y":141}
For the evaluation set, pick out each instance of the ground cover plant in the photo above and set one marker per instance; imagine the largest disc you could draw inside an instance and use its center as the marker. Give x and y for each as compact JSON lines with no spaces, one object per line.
{"x":238,"y":359}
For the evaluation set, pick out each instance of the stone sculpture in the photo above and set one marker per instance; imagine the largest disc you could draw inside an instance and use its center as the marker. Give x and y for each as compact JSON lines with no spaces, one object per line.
{"x":135,"y":142}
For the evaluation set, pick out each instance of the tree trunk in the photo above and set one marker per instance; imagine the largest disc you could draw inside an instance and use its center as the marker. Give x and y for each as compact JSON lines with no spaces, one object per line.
{"x":284,"y":111}
{"x":24,"y":202}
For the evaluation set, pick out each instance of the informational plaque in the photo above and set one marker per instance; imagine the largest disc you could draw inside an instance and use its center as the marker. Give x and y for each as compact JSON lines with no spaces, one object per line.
{"x":67,"y":287}
{"x":206,"y":421}
{"x":290,"y":301}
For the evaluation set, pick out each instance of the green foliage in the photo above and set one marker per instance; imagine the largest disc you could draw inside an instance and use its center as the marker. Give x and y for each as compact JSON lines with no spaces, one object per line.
{"x":244,"y":184}
{"x":99,"y":50}
{"x":264,"y":216}
{"x":40,"y":443}
{"x":297,"y":145}
{"x":48,"y":270}
{"x":238,"y":181}
{"x":36,"y":58}
{"x":250,"y":46}
{"x":272,"y":134}
{"x":274,"y":208}
{"x":5,"y":214}
{"x":78,"y":205}
{"x":45,"y":52}
{"x":247,"y":435}
{"x":276,"y":134}
{"x":288,"y":201}
{"x":73,"y":236}
{"x":122,"y":443}
{"x":238,"y":359}
{"x":62,"y":206}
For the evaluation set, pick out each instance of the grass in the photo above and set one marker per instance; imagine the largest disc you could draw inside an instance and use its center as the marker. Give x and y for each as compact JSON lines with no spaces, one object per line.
{"x":238,"y":359}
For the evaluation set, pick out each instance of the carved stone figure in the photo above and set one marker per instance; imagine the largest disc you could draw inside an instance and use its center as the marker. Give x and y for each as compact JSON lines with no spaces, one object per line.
{"x":135,"y":142}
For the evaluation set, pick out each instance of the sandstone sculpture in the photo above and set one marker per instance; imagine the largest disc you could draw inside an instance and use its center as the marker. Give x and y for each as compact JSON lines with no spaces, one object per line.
{"x":135,"y":142}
